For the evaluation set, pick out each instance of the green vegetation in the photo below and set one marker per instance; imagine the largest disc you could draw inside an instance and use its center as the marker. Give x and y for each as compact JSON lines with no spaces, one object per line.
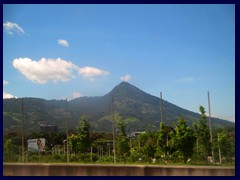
{"x":184,"y":140}
{"x":180,"y":144}
{"x":202,"y":132}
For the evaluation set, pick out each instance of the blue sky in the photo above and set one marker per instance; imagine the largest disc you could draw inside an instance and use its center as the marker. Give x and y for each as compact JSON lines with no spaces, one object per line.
{"x":59,"y":51}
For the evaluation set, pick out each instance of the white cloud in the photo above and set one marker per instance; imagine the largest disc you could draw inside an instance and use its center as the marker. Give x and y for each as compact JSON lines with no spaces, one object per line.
{"x":45,"y":69}
{"x":53,"y":70}
{"x":186,"y":80}
{"x":90,"y":72}
{"x":63,"y":42}
{"x":8,"y":96}
{"x":5,"y":82}
{"x":126,"y":78}
{"x":75,"y":95}
{"x":11,"y":27}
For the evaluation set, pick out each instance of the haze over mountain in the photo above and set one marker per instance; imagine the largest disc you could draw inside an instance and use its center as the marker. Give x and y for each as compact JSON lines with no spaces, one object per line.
{"x":140,"y":111}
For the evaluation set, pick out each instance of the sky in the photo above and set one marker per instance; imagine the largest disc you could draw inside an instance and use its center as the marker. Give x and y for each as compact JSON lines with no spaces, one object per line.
{"x":67,"y":51}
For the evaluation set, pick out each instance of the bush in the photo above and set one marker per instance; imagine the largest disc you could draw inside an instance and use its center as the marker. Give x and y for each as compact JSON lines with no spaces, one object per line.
{"x":134,"y":155}
{"x":105,"y":159}
{"x":33,"y":158}
{"x":83,"y":157}
{"x":11,"y":158}
{"x":73,"y":158}
{"x":59,"y":157}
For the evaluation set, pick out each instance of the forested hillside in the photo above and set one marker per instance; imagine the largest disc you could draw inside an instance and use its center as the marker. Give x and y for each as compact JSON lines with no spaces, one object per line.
{"x":140,"y":111}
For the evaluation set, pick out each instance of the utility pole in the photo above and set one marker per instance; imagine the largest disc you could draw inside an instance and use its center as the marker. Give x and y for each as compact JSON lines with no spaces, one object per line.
{"x":22,"y":132}
{"x":113,"y":131}
{"x":161,"y":107}
{"x":219,"y":151}
{"x":210,"y":126}
{"x":67,"y":129}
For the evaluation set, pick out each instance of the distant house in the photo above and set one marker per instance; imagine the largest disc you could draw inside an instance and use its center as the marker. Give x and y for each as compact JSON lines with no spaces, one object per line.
{"x":46,"y":128}
{"x":136,"y":134}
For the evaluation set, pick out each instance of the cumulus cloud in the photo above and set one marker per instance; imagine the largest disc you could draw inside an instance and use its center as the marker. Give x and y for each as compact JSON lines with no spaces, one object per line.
{"x":11,"y":27}
{"x":90,"y":72}
{"x":8,"y":96}
{"x":126,"y":78}
{"x":54,"y":70}
{"x":45,"y":69}
{"x":186,"y":80}
{"x":5,"y":82}
{"x":63,"y":42}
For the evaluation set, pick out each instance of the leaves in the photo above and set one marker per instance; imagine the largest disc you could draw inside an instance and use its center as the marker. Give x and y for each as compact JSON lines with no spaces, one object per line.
{"x":203,"y":135}
{"x":122,"y":142}
{"x":184,"y":139}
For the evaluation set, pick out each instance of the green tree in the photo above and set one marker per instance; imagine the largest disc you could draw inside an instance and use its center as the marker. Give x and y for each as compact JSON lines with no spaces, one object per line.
{"x":148,"y":144}
{"x":203,"y":136}
{"x":74,"y":143}
{"x":84,"y":135}
{"x":162,"y":140}
{"x":122,"y":141}
{"x":7,"y":149}
{"x":225,"y":141}
{"x":184,"y":139}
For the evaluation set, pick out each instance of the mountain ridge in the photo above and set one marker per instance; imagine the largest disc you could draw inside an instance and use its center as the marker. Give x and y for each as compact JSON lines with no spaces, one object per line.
{"x":139,"y":110}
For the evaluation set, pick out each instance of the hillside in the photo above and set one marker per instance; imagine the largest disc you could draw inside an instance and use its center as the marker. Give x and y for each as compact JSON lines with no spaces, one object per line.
{"x":140,"y":111}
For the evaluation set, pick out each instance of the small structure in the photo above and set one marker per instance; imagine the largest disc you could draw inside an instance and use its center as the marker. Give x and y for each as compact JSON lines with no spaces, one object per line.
{"x":45,"y":128}
{"x":136,"y":134}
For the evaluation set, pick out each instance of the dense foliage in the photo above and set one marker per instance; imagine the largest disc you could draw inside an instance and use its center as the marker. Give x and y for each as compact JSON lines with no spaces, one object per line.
{"x":184,"y":139}
{"x":178,"y":144}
